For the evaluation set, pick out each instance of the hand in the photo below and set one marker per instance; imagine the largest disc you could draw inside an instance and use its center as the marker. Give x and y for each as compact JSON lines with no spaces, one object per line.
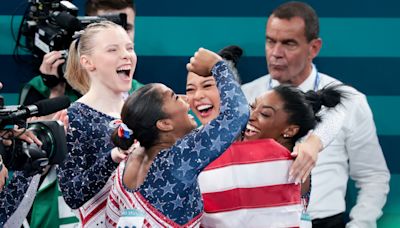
{"x":50,"y":63}
{"x":118,"y":154}
{"x":60,"y":115}
{"x":63,"y":117}
{"x":3,"y":177}
{"x":27,"y":136}
{"x":202,"y":62}
{"x":306,"y":154}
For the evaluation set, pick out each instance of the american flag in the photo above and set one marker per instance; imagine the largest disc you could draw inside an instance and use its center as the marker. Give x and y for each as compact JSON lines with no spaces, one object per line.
{"x":247,"y":186}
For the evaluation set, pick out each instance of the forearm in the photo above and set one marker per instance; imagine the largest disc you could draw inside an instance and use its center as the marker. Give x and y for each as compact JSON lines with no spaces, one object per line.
{"x":332,"y":122}
{"x":371,"y":199}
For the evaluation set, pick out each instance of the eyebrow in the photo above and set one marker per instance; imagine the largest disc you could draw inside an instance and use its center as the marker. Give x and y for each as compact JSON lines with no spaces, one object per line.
{"x":282,"y":41}
{"x":268,"y":106}
{"x":208,"y":80}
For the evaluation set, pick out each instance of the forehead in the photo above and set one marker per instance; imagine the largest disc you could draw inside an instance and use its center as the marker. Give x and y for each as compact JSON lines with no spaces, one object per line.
{"x":193,"y":78}
{"x":270,"y":98}
{"x":285,"y":28}
{"x":112,"y":35}
{"x":163,"y":89}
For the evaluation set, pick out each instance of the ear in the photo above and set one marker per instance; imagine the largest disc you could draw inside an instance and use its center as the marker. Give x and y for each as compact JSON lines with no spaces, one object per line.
{"x":87,"y":63}
{"x":315,"y":47}
{"x":290,"y":131}
{"x":164,"y":125}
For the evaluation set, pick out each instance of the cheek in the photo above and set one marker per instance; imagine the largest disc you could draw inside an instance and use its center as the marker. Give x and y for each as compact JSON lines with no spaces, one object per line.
{"x":134,"y":58}
{"x":190,"y":101}
{"x":268,"y":129}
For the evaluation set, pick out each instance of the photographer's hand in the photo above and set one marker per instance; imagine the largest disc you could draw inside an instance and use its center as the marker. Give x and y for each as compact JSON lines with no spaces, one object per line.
{"x":50,"y":63}
{"x":3,"y":175}
{"x":22,"y":134}
{"x":60,"y":115}
{"x":49,"y":67}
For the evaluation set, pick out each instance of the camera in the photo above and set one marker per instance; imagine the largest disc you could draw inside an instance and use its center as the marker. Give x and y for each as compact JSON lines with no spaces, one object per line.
{"x":32,"y":159}
{"x":49,"y":25}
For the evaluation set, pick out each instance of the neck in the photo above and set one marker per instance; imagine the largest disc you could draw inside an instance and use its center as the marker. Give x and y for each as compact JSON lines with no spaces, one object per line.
{"x":297,"y":80}
{"x":287,"y":143}
{"x":106,"y":102}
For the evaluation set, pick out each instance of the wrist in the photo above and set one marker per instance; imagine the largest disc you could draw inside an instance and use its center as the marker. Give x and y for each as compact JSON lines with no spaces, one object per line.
{"x":50,"y":80}
{"x":315,"y":141}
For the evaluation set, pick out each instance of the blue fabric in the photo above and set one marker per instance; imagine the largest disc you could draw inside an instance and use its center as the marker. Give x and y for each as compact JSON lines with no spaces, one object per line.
{"x":88,"y":165}
{"x":12,"y":195}
{"x":171,"y":184}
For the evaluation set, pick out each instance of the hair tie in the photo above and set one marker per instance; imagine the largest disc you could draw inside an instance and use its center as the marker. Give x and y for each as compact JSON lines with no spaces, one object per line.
{"x":77,"y":37}
{"x":122,"y":130}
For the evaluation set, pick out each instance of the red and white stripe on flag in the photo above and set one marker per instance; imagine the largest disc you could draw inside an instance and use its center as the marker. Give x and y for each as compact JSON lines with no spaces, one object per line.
{"x":247,"y":186}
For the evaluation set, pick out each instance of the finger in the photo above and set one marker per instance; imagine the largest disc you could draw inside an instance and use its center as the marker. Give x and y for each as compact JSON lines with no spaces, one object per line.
{"x":35,"y":139}
{"x":189,"y":67}
{"x":294,"y":154}
{"x":297,"y":169}
{"x":57,"y":115}
{"x":58,"y":62}
{"x":27,"y":138}
{"x":306,"y":174}
{"x":297,"y":164}
{"x":7,"y":142}
{"x":122,"y":157}
{"x":294,"y":173}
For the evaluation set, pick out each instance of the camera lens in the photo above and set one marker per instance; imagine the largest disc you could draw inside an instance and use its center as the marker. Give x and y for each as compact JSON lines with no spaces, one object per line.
{"x":44,"y":134}
{"x":52,"y":136}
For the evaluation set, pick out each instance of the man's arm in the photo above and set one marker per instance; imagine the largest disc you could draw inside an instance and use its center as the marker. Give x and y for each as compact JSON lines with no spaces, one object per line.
{"x":367,"y":168}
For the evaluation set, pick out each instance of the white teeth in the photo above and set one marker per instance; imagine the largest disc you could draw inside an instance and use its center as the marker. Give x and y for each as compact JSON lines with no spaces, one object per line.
{"x":123,"y":68}
{"x":251,"y":128}
{"x":203,"y":107}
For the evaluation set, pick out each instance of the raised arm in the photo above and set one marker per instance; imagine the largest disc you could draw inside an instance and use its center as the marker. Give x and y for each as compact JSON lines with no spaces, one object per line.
{"x":201,"y":147}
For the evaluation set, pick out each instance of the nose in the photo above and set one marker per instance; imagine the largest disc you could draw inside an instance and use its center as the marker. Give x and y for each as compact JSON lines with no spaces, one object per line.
{"x":277,"y":50}
{"x":199,"y":94}
{"x":184,"y":97}
{"x":253,"y":115}
{"x":126,"y":53}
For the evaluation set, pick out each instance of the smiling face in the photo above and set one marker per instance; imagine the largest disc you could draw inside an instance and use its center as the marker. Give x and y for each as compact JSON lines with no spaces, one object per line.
{"x":176,"y":108}
{"x":203,"y":97}
{"x":112,"y":60}
{"x":268,"y":118}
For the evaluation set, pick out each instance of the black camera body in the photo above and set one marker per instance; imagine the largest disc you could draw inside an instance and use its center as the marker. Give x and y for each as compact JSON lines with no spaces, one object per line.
{"x":30,"y":157}
{"x":49,"y":25}
{"x":19,"y":155}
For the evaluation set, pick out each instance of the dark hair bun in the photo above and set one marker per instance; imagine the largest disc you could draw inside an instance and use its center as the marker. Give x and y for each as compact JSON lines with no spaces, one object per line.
{"x":232,"y":53}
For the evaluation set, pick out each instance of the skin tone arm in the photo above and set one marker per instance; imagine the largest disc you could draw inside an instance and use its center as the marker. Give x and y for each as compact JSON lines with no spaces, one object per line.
{"x":306,"y":154}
